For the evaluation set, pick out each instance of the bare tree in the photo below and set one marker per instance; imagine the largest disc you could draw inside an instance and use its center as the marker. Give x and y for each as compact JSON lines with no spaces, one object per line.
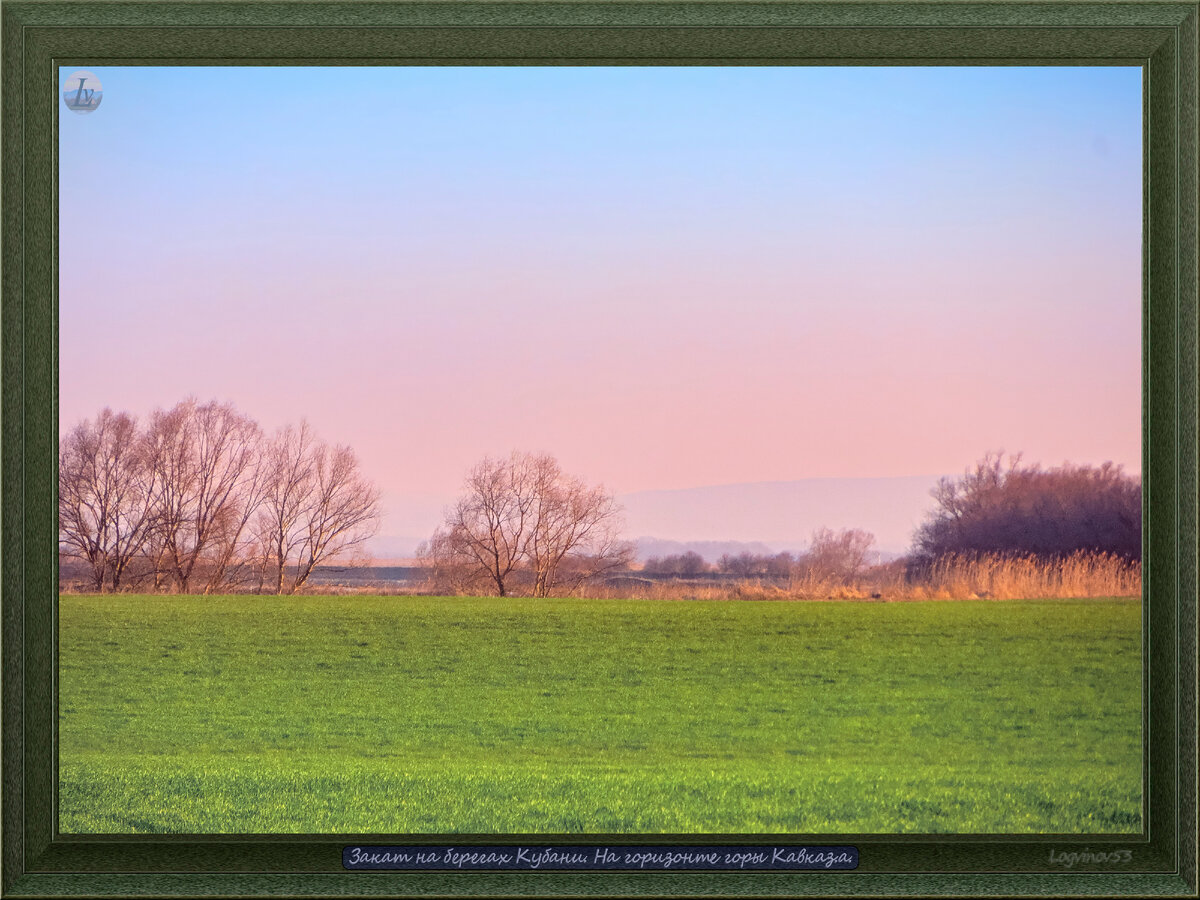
{"x":575,"y":528}
{"x":744,"y":564}
{"x":288,"y":474}
{"x":524,"y":514}
{"x":489,"y":527}
{"x":835,"y":557}
{"x":343,"y":512}
{"x":450,"y":568}
{"x":750,"y":565}
{"x":680,"y":565}
{"x":780,"y":565}
{"x":316,"y":506}
{"x":205,"y":457}
{"x":105,"y":495}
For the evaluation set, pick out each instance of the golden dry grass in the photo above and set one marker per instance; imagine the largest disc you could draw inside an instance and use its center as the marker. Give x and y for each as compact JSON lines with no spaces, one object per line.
{"x":991,"y":577}
{"x":1007,"y":578}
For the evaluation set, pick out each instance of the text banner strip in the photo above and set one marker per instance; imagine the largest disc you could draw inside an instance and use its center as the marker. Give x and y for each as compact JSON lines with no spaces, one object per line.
{"x":595,"y":857}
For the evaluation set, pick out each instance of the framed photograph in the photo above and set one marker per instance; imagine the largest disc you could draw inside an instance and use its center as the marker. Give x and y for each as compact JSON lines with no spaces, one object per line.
{"x":599,"y":448}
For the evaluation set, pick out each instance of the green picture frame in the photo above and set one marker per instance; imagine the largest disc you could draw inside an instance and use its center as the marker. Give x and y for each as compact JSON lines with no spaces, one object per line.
{"x":38,"y":37}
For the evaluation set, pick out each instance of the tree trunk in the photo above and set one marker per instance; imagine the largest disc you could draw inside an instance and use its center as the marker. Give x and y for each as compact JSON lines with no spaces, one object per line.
{"x":279,"y":560}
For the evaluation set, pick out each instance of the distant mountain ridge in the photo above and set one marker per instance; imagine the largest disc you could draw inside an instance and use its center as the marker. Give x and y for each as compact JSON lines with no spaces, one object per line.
{"x":647,"y":547}
{"x":782,"y":515}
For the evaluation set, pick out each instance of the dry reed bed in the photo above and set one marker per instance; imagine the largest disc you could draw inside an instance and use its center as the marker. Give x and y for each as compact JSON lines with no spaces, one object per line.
{"x":1080,"y":575}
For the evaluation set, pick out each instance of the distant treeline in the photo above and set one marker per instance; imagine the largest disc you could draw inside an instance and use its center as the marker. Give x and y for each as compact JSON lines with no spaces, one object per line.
{"x":832,"y":557}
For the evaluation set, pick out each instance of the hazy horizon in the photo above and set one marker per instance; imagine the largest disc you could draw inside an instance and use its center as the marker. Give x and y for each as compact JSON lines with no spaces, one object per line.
{"x":672,"y":279}
{"x":778,"y":515}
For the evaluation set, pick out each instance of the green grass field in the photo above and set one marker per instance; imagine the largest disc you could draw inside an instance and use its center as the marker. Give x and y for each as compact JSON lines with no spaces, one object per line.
{"x":485,"y":715}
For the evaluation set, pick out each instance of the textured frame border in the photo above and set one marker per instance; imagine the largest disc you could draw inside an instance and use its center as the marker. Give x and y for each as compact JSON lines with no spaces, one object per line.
{"x":1160,"y":37}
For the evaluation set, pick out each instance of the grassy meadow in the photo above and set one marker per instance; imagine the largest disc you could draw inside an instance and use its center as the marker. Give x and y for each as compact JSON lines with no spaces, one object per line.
{"x":487,"y":715}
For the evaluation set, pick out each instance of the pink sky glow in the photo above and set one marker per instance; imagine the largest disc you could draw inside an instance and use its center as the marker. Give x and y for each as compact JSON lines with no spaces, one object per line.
{"x":735,"y":318}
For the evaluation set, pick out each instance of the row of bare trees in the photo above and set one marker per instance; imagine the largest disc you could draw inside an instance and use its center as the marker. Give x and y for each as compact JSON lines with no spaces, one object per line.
{"x":198,"y":499}
{"x":524,"y":525}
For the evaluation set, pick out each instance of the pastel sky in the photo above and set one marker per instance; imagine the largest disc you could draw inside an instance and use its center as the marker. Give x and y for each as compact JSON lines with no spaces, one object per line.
{"x":667,"y":277}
